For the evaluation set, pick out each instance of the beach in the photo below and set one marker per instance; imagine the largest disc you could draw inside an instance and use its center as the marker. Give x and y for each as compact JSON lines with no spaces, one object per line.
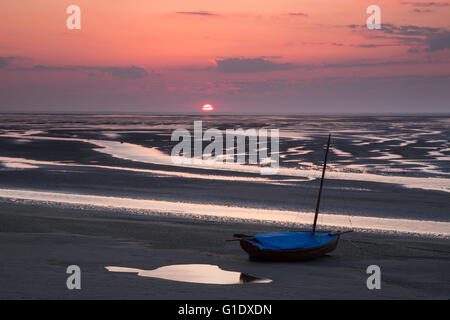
{"x":99,"y":191}
{"x":39,"y":242}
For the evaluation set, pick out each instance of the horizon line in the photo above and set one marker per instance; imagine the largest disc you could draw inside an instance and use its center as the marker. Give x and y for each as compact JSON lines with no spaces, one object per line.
{"x":175,"y":113}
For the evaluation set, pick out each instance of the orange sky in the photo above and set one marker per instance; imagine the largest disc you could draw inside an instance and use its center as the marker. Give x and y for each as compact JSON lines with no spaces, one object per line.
{"x":296,"y":40}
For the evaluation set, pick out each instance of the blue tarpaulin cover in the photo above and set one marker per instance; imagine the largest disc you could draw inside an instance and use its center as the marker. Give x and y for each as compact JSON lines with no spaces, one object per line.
{"x":291,"y":240}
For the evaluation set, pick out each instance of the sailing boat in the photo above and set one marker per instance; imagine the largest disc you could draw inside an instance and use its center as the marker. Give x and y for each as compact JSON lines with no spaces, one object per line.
{"x":292,"y":246}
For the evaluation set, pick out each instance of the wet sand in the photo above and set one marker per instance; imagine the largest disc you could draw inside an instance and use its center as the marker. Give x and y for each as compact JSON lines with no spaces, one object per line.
{"x":38,"y":243}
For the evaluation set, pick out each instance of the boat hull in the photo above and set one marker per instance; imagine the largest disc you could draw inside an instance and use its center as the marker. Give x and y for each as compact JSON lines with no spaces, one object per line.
{"x":258,"y":254}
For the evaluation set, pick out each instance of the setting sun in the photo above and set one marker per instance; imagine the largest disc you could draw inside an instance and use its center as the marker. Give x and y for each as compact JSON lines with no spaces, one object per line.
{"x":207,"y":107}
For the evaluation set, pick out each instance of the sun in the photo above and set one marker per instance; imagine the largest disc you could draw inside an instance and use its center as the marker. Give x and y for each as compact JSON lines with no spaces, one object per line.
{"x":207,"y":107}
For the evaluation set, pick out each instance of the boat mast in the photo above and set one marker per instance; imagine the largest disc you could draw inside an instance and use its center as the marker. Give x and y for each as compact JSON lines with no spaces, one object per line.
{"x":321,"y":185}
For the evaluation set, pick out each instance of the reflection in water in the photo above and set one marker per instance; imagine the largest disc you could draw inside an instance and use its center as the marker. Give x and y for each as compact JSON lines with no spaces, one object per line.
{"x":194,"y":273}
{"x":134,"y":152}
{"x":17,"y":165}
{"x":28,"y":163}
{"x":200,"y":210}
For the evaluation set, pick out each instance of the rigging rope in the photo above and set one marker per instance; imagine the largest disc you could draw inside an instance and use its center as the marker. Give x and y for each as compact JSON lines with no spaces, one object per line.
{"x":346,"y":207}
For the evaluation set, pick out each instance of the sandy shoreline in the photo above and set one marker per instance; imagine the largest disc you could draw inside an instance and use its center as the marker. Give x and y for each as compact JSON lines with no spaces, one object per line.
{"x":37,"y":243}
